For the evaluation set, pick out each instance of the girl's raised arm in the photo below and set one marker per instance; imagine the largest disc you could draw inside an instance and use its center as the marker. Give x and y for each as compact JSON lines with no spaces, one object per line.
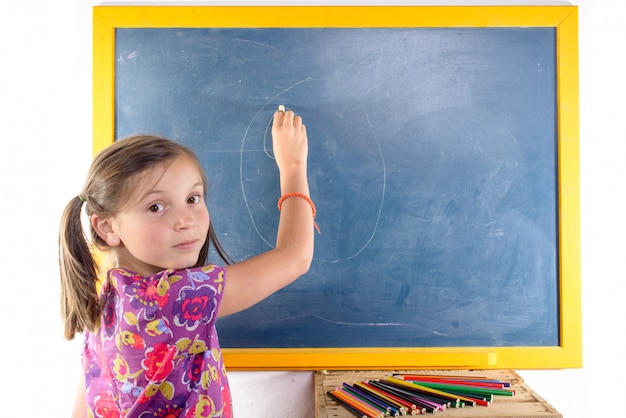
{"x":254,"y":279}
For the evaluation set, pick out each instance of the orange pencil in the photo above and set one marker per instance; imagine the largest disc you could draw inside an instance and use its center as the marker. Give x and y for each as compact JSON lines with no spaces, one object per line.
{"x":358,"y":404}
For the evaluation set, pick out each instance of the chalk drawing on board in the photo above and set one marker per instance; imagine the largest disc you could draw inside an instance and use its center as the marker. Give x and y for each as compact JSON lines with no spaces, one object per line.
{"x":329,"y":153}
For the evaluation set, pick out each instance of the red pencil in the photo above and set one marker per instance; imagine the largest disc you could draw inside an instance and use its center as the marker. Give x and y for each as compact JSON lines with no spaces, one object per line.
{"x":470,"y":381}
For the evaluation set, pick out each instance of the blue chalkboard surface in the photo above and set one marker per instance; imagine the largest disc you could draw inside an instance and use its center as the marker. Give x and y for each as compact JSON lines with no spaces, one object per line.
{"x":433,"y":166}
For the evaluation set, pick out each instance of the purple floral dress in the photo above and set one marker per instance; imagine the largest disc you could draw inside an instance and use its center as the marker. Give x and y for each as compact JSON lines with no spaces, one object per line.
{"x":156,"y":353}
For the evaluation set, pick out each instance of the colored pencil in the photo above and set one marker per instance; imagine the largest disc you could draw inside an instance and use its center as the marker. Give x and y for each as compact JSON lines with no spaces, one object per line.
{"x":419,"y":398}
{"x":419,"y":403}
{"x":463,"y":389}
{"x":347,"y":406}
{"x":383,"y":396}
{"x":441,"y":401}
{"x":408,"y":405}
{"x":362,"y":407}
{"x":374,"y":409}
{"x":470,"y":383}
{"x":392,"y":407}
{"x":462,"y":399}
{"x":371,"y":399}
{"x":473,"y":381}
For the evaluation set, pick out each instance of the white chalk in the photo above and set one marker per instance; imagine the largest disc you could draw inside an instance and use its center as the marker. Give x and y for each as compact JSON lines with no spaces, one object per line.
{"x":281,"y":108}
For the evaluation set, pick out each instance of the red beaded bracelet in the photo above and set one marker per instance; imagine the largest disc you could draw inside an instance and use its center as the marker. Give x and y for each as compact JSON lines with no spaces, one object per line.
{"x":302,"y":196}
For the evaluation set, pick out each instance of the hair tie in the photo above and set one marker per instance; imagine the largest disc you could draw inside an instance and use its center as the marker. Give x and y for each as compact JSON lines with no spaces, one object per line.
{"x":302,"y":196}
{"x":82,"y":199}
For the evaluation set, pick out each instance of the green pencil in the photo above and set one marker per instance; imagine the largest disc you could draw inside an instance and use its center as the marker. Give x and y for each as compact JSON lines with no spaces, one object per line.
{"x":465,"y":389}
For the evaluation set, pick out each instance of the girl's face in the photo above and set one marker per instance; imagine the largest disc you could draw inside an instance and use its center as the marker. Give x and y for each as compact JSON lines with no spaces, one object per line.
{"x":166,"y":224}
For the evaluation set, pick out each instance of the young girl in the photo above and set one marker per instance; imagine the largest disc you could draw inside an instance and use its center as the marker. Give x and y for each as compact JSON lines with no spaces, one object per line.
{"x":151,"y":347}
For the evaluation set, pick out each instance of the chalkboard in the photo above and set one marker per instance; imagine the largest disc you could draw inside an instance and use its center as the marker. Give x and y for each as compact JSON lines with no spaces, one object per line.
{"x":433,"y":163}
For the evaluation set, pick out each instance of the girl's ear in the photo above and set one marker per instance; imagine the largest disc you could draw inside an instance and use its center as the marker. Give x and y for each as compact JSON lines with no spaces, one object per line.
{"x":105,"y":231}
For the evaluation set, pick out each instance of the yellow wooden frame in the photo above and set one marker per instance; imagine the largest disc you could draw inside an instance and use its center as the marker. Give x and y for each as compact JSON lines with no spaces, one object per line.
{"x":564,"y":18}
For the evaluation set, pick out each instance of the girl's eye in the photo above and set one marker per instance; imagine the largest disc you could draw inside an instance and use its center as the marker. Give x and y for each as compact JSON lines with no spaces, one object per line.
{"x":194,"y":199}
{"x":157,"y":207}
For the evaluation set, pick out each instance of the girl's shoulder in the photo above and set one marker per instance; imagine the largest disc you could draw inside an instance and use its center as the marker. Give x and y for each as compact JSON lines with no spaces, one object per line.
{"x":207,"y":269}
{"x":210,"y":273}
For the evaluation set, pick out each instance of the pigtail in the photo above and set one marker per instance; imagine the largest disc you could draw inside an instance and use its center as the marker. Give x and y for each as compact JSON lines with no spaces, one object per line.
{"x":212,"y":239}
{"x":79,"y":272}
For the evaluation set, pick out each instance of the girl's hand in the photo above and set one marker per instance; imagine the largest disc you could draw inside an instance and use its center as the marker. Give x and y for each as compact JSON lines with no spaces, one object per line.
{"x":289,"y":140}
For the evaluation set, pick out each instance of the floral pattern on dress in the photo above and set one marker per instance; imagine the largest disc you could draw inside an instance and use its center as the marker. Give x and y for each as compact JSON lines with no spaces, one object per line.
{"x":157,"y":353}
{"x":150,"y":293}
{"x":195,"y":307}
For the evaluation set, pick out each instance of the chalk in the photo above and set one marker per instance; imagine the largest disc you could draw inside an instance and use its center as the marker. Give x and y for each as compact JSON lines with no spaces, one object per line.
{"x":281,"y":108}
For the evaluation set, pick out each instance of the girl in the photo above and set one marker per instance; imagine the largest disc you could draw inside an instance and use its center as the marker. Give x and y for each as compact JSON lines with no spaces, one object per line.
{"x":151,"y":348}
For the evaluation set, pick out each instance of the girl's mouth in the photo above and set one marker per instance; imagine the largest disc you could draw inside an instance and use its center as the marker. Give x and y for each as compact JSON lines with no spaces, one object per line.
{"x":186,"y":245}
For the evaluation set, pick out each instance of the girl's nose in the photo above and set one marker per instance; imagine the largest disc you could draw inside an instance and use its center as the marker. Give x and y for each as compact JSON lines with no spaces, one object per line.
{"x":184,"y":219}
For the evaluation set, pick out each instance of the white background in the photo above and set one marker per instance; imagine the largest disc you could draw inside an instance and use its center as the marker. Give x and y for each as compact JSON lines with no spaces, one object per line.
{"x":45,"y":150}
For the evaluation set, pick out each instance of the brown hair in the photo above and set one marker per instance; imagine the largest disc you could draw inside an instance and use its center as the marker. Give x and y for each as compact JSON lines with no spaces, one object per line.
{"x":112,"y":178}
